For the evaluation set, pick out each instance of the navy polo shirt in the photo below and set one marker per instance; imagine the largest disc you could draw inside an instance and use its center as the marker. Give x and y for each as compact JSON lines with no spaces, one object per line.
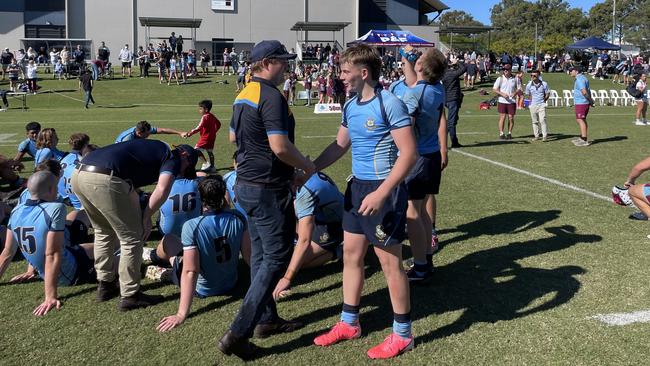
{"x":139,"y":161}
{"x":260,"y":111}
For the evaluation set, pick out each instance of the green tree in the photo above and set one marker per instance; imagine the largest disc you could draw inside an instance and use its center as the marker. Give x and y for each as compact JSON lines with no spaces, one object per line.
{"x":457,"y":18}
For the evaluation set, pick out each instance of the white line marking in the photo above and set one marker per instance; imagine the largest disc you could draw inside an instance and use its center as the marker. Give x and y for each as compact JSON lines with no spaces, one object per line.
{"x":4,"y":137}
{"x":545,"y":179}
{"x":642,"y":316}
{"x":496,"y":116}
{"x":318,"y":137}
{"x":471,"y":133}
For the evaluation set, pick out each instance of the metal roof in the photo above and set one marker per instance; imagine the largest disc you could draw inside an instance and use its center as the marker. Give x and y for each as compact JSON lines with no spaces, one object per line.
{"x":465,"y":29}
{"x":430,"y":6}
{"x":320,"y":26}
{"x":170,"y":22}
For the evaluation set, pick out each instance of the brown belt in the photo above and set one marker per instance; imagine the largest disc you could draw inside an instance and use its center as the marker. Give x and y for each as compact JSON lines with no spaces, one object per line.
{"x":95,"y":169}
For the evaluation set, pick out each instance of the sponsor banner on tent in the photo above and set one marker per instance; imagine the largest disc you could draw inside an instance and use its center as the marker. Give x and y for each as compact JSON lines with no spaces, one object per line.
{"x":327,"y":108}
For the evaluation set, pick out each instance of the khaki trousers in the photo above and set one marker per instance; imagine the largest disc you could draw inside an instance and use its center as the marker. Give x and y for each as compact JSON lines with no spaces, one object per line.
{"x":538,"y":114}
{"x":114,"y":211}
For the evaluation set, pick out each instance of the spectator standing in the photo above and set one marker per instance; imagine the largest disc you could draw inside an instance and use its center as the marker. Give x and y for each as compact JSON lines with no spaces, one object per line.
{"x":179,"y":45}
{"x":79,"y":56}
{"x":204,"y":57}
{"x":225,"y":57}
{"x":5,"y":60}
{"x":263,"y":129}
{"x":103,"y":53}
{"x":453,"y":98}
{"x":126,"y":57}
{"x":172,"y":41}
{"x":506,"y":88}
{"x":308,"y":80}
{"x":234,"y":59}
{"x":538,"y":92}
{"x":641,"y":100}
{"x":143,"y":62}
{"x":86,"y":83}
{"x":12,"y":71}
{"x":65,"y":62}
{"x":31,"y":76}
{"x":582,"y":100}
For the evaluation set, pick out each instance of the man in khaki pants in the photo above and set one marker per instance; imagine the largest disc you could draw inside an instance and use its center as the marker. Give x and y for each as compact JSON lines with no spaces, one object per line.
{"x":105,"y":183}
{"x":538,"y":93}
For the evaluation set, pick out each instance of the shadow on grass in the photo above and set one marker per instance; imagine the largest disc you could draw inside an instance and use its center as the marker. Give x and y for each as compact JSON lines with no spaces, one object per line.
{"x":78,"y":292}
{"x":609,"y":139}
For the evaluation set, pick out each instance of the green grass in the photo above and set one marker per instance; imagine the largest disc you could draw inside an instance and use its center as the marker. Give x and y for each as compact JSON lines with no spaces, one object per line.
{"x":525,"y":262}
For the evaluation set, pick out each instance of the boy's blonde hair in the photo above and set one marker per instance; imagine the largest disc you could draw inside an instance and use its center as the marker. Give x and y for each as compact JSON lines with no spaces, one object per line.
{"x":434,"y":64}
{"x":45,"y":138}
{"x":363,"y":56}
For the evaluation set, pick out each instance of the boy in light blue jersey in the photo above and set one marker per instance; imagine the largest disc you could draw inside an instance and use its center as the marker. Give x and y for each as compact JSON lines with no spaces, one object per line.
{"x":37,"y":228}
{"x":142,"y":131}
{"x":183,"y":204}
{"x":377,"y":127}
{"x":28,"y":145}
{"x":46,"y":143}
{"x":210,"y":251}
{"x":583,"y":101}
{"x":79,"y":145}
{"x":425,"y":102}
{"x":399,"y":88}
{"x":319,"y":210}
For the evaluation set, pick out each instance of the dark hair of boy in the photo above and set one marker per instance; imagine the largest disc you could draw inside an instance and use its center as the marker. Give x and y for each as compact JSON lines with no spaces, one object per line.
{"x":78,"y":141}
{"x":206,"y":104}
{"x":88,"y":148}
{"x":213,"y":191}
{"x":143,"y":126}
{"x":33,"y":126}
{"x":51,"y":166}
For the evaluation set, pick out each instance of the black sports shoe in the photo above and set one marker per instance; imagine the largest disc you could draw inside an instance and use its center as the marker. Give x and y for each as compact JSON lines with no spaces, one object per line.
{"x":241,"y":347}
{"x":280,"y":326}
{"x":509,"y":136}
{"x":502,"y":137}
{"x":414,"y":276}
{"x":139,"y":300}
{"x":107,"y":290}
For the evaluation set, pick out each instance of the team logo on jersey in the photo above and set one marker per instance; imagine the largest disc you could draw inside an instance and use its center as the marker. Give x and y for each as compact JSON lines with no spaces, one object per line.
{"x":379,"y":233}
{"x":324,"y":238}
{"x":370,"y":124}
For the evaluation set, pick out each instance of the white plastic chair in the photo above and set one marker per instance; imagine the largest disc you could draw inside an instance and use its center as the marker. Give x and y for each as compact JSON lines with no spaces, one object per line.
{"x":630,"y":99}
{"x":567,"y":96}
{"x":555,"y":99}
{"x":615,"y":98}
{"x":595,"y":97}
{"x":602,"y":94}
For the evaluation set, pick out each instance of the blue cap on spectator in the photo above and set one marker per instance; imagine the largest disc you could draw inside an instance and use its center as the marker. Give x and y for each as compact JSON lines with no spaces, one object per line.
{"x":270,"y":49}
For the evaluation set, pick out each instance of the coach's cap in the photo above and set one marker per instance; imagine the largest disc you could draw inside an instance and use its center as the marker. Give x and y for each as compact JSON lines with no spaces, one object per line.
{"x":192,"y":157}
{"x":270,"y":49}
{"x":507,"y":67}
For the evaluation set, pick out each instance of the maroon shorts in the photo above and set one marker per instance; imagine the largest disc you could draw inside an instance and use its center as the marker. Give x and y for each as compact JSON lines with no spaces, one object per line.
{"x":505,"y":108}
{"x":582,"y":110}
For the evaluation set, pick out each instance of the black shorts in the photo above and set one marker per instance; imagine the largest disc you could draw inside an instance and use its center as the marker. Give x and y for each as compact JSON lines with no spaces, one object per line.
{"x":85,"y":266}
{"x":328,"y":237}
{"x":386,"y":228}
{"x":126,"y":64}
{"x":425,"y":176}
{"x":78,"y":233}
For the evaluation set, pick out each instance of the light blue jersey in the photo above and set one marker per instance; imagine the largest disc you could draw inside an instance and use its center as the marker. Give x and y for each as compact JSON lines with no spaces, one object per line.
{"x":369,"y":125}
{"x":28,"y":146}
{"x":426,"y":102}
{"x":183,"y":204}
{"x":24,"y":196}
{"x":129,"y":134}
{"x":30,"y":223}
{"x":319,"y":197}
{"x":399,"y":88}
{"x":217,"y":237}
{"x":230,"y":179}
{"x":47,"y":154}
{"x":581,"y":83}
{"x":68,"y":166}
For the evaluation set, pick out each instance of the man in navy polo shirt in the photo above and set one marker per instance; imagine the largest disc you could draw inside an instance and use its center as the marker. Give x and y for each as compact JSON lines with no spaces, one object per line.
{"x":263,"y":128}
{"x":106,"y":183}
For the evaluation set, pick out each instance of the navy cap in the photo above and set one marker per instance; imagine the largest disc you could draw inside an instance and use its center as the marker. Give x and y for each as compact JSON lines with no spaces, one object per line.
{"x":270,"y":49}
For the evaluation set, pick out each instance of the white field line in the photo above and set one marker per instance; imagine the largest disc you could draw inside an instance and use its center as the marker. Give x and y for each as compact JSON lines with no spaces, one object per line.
{"x":6,"y":137}
{"x":642,"y":316}
{"x":537,"y":176}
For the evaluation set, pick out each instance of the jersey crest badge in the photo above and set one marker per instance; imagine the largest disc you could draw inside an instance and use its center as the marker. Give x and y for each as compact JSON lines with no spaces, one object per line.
{"x":370,"y":124}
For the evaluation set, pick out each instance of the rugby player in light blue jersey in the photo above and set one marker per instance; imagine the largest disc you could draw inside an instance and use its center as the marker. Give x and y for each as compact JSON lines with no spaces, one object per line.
{"x":37,"y":228}
{"x":205,"y":260}
{"x":142,"y":130}
{"x":377,"y":127}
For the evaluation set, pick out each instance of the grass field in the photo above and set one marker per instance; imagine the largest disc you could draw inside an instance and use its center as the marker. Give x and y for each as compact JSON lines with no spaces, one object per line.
{"x":525,"y":265}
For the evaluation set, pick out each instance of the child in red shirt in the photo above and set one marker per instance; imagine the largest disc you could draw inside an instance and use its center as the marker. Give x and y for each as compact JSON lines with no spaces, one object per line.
{"x":207,"y":129}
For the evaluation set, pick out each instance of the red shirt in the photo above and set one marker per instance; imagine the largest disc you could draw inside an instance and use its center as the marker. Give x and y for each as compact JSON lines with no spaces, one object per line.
{"x":207,"y":129}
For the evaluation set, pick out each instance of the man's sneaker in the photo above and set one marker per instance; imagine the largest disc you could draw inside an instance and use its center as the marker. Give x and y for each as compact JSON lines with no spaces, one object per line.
{"x":159,"y":274}
{"x":435,"y":243}
{"x":107,"y":290}
{"x":502,"y":137}
{"x":639,"y":216}
{"x":146,"y":255}
{"x":581,"y":142}
{"x":139,"y":300}
{"x":640,"y":123}
{"x":342,"y":331}
{"x":392,"y":346}
{"x":280,"y":326}
{"x":509,"y":136}
{"x":415,"y":276}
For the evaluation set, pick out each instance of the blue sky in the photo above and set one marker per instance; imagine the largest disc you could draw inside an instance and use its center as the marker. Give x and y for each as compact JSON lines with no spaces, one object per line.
{"x":480,"y":9}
